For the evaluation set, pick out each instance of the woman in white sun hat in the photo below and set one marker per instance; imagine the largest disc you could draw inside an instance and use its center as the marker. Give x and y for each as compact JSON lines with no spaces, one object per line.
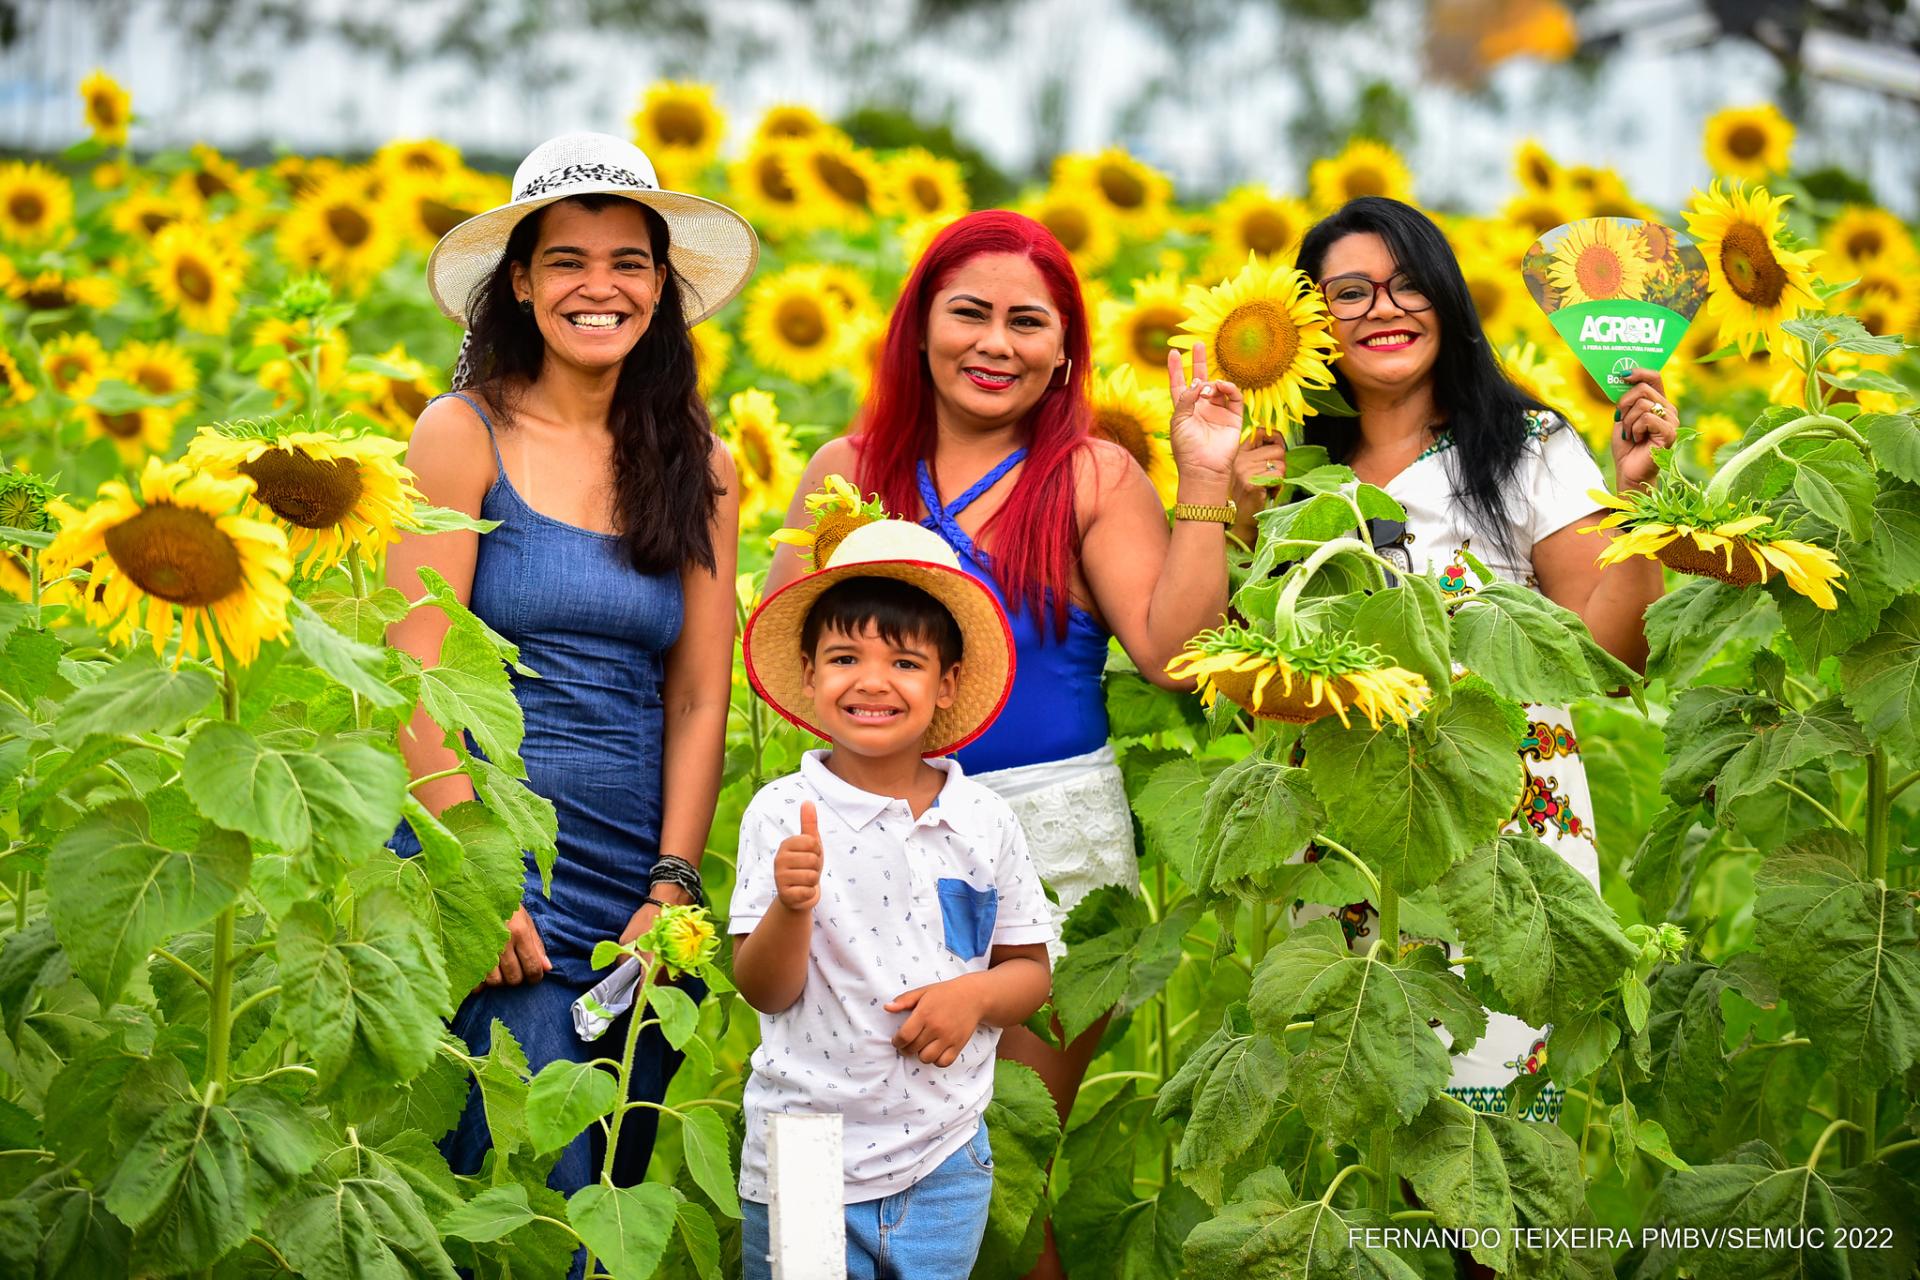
{"x":575,"y":423}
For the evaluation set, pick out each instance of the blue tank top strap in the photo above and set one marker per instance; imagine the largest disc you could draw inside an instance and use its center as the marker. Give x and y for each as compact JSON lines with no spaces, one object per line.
{"x":485,"y":421}
{"x":940,"y":517}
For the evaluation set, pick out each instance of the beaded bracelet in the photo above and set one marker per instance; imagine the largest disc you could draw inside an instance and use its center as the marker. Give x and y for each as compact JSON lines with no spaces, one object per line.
{"x":681,"y":874}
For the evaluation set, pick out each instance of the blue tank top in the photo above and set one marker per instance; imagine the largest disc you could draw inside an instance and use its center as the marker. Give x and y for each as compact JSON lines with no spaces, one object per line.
{"x":1057,"y":707}
{"x":597,"y":631}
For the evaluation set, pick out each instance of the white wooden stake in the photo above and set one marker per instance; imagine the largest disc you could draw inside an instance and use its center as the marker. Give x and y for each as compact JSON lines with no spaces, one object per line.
{"x":807,"y":1223}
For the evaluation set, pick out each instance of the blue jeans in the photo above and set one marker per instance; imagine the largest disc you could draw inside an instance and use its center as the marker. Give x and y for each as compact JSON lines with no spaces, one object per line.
{"x":930,"y":1231}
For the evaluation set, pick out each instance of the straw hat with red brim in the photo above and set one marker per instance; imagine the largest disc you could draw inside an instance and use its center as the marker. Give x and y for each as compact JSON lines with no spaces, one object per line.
{"x":904,"y":551}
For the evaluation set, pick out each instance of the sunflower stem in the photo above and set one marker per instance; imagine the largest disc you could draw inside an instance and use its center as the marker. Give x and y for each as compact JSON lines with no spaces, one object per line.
{"x":1302,"y":573}
{"x":1722,"y":482}
{"x":635,"y":1020}
{"x":1366,"y":872}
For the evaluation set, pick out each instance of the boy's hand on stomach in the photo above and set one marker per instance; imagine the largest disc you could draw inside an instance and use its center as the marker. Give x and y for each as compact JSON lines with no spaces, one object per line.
{"x":943,"y":1018}
{"x":797,"y":863}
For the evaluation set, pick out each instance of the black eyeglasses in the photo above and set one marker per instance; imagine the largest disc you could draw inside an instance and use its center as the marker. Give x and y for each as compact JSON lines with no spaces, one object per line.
{"x":1350,"y":297}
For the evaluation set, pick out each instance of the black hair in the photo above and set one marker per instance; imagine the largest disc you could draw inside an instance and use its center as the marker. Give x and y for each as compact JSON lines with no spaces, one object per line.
{"x":664,"y":491}
{"x":899,"y":610}
{"x":1480,"y":407}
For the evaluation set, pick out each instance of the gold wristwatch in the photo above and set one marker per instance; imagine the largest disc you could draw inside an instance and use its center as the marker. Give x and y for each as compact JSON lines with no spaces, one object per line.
{"x":1219,"y":512}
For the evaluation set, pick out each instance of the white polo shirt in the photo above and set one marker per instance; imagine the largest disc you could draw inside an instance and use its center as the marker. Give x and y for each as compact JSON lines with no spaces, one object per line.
{"x":904,"y":902}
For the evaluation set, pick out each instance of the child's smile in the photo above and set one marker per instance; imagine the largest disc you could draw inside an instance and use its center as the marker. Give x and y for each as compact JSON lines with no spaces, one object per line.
{"x":876,"y":696}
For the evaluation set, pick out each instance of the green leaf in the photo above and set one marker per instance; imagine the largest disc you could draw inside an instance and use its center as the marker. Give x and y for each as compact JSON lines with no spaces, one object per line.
{"x":430,"y":519}
{"x":30,"y":663}
{"x":1846,"y":952}
{"x":1122,"y":966}
{"x":493,"y":1213}
{"x":363,"y":618}
{"x":1145,"y":1237}
{"x":1372,"y":1058}
{"x":366,"y":1003}
{"x":465,"y":907}
{"x":699,"y":1237}
{"x":115,"y":891}
{"x":1896,"y":533}
{"x":468,"y":691}
{"x":136,"y":695}
{"x":84,"y":1240}
{"x":357,"y":1217}
{"x":528,"y":816}
{"x":1409,"y":625}
{"x":462,"y":619}
{"x":1895,"y":438}
{"x":1881,"y":678}
{"x":564,"y":1098}
{"x":1412,"y":802}
{"x":1706,"y":727}
{"x":1170,"y":802}
{"x":1450,"y":1156}
{"x":502,"y":1077}
{"x":295,"y":790}
{"x":440,"y":850}
{"x":708,"y":1148}
{"x":1137,"y":708}
{"x":1581,"y":1046}
{"x":1699,"y":621}
{"x":1256,"y":816}
{"x":1837,"y":485}
{"x":1227,"y":1090}
{"x":1663,"y":864}
{"x":679,"y":1016}
{"x":626,"y":1227}
{"x":359,"y":666}
{"x":1537,"y":927}
{"x":201,"y":1178}
{"x":1265,"y":1233}
{"x":1024,"y":1129}
{"x":1098,"y":1156}
{"x":1821,"y":733}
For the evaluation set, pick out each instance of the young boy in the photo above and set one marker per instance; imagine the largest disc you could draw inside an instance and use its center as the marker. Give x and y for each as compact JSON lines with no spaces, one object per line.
{"x":887,"y":922}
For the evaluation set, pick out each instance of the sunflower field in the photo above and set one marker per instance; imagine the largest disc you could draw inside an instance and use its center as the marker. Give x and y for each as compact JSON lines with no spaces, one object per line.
{"x":223,"y":1046}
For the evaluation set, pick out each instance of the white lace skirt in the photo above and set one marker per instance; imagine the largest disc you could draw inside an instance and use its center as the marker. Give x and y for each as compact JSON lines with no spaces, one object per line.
{"x":1078,"y":826}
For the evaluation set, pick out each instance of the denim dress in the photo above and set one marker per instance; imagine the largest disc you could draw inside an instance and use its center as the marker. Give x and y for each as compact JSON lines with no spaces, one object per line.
{"x":596,"y":630}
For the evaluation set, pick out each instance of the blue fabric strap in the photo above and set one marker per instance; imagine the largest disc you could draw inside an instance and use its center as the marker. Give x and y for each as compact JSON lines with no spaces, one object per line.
{"x":485,"y":421}
{"x":941,"y":517}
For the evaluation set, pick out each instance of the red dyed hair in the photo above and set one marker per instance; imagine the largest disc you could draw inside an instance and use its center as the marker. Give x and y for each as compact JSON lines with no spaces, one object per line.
{"x":1034,"y":536}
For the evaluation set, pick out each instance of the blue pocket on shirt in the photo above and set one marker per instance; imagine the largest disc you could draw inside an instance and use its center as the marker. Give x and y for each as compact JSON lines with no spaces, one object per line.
{"x":967,"y":914}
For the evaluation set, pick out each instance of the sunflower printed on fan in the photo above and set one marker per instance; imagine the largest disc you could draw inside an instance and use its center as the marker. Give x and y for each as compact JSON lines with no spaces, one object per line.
{"x":837,"y":509}
{"x":1303,"y":679}
{"x":180,"y":543}
{"x":1268,"y":332}
{"x":1599,"y":260}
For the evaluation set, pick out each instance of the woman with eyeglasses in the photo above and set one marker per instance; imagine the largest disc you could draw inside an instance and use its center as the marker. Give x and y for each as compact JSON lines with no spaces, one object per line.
{"x":1483,"y":470}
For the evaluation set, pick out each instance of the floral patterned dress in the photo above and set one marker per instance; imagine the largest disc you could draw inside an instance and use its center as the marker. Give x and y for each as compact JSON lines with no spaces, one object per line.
{"x":1550,"y":493}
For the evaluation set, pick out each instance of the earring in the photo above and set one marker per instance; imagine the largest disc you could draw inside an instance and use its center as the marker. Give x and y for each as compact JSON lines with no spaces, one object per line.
{"x":526,"y":306}
{"x":1066,"y":377}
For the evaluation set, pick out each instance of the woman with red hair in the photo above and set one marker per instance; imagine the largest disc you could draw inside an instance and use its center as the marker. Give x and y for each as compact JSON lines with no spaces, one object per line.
{"x":978,"y":426}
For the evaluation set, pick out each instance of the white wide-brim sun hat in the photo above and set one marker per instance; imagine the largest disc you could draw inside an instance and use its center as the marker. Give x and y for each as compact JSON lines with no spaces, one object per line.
{"x":902,"y":550}
{"x":713,"y":249}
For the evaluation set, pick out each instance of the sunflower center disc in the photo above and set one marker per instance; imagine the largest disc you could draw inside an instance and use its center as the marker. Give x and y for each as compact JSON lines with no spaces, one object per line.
{"x":26,"y":208}
{"x":1598,"y":271}
{"x":195,"y":281}
{"x":773,"y":181}
{"x":1365,"y":182}
{"x":439,"y":218}
{"x":1746,"y":255}
{"x":1257,"y":344}
{"x":1488,"y":298}
{"x":800,"y":322}
{"x":1122,"y":187}
{"x":121,"y":426}
{"x":210,"y":185}
{"x":926,"y":193}
{"x":759,"y":457}
{"x":153,"y":220}
{"x":1152,"y":327}
{"x":842,"y":179}
{"x":48,"y":297}
{"x":1124,"y":430}
{"x":1069,"y":226}
{"x":411,"y":400}
{"x":1747,"y":141}
{"x":305,"y":491}
{"x":679,"y":124}
{"x":177,"y":554}
{"x":349,"y":226}
{"x":1865,"y":243}
{"x":1265,"y":232}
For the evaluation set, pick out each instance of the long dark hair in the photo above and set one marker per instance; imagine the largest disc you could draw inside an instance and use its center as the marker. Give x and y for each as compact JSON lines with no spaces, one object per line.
{"x":1480,"y":407}
{"x":663,"y":486}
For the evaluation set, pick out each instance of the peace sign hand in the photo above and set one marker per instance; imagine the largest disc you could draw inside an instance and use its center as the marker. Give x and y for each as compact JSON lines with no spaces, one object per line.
{"x":1207,"y":418}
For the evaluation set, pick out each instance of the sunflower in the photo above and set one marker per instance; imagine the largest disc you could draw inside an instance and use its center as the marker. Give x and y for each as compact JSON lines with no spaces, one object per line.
{"x":1135,"y":418}
{"x":764,"y":454}
{"x":1724,"y":544}
{"x":1753,"y":281}
{"x":14,"y":387}
{"x":865,"y":342}
{"x":1606,"y":196}
{"x":281,"y":376}
{"x":1528,"y":368}
{"x":74,"y":363}
{"x":1080,"y":222}
{"x":54,"y":290}
{"x":1252,"y":220}
{"x":920,"y":184}
{"x":427,"y":208}
{"x":338,"y":230}
{"x":108,"y":108}
{"x":162,"y":370}
{"x":214,"y":183}
{"x":1599,"y":260}
{"x":418,"y":158}
{"x":835,"y":182}
{"x":1535,"y":168}
{"x":837,"y":509}
{"x":1267,"y":331}
{"x":335,"y":493}
{"x":915,"y":236}
{"x":1302,"y":679}
{"x":195,"y":277}
{"x":109,"y":175}
{"x":1711,"y":432}
{"x":1499,"y":292}
{"x":679,"y":126}
{"x":1538,"y":212}
{"x":179,"y":542}
{"x":794,"y":326}
{"x":136,"y":433}
{"x":712,"y":350}
{"x":759,"y":185}
{"x":397,"y":394}
{"x":142,"y":214}
{"x":1887,"y":299}
{"x":1750,"y":143}
{"x":23,"y":501}
{"x":1134,"y":194}
{"x":1863,"y":236}
{"x":302,"y":174}
{"x":1365,"y":168}
{"x":787,"y":122}
{"x":842,"y":285}
{"x":36,"y":204}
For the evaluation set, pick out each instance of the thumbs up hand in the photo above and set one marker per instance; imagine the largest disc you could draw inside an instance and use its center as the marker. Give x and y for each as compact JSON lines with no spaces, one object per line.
{"x":797,"y":863}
